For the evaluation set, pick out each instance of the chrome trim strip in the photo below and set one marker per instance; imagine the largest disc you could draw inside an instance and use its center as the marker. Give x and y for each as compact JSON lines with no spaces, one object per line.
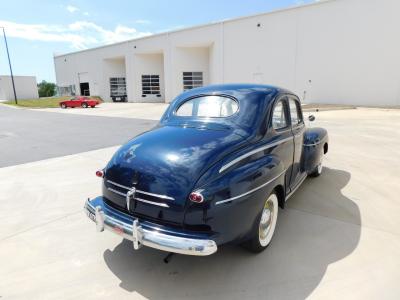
{"x":297,"y":186}
{"x":251,"y":191}
{"x":131,"y":229}
{"x":155,"y":195}
{"x":151,"y":202}
{"x":314,"y":144}
{"x":119,"y":185}
{"x":139,"y":199}
{"x":236,"y":160}
{"x":141,"y":192}
{"x":117,"y":192}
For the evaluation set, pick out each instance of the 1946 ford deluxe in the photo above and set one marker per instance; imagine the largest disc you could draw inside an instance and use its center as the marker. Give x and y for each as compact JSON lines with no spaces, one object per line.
{"x":213,"y":171}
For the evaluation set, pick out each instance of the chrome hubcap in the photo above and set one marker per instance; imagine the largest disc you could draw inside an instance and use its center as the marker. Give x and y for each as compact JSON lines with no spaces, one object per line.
{"x":266,"y":222}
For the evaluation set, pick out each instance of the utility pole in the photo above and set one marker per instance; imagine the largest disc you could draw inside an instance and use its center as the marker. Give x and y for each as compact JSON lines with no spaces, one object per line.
{"x":9,"y":63}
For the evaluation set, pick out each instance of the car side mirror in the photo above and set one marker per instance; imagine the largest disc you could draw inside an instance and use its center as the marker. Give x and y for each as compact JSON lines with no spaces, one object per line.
{"x":311,"y":118}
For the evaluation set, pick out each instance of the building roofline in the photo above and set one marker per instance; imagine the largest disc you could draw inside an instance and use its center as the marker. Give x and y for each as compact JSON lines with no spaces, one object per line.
{"x":17,"y":76}
{"x":279,"y":10}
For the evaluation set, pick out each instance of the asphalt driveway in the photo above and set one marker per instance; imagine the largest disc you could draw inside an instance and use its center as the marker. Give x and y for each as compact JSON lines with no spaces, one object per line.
{"x":28,"y":135}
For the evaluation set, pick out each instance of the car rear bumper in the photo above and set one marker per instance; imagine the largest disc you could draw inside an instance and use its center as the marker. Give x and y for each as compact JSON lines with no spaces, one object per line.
{"x":145,"y":233}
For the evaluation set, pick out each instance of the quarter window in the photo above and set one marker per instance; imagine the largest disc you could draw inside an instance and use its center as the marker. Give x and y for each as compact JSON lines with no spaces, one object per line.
{"x":208,"y":106}
{"x":192,"y":80}
{"x":295,"y":113}
{"x":278,"y":116}
{"x":150,"y":85}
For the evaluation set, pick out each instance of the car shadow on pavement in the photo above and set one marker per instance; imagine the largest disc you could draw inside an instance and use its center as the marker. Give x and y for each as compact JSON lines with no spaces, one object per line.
{"x":319,"y":227}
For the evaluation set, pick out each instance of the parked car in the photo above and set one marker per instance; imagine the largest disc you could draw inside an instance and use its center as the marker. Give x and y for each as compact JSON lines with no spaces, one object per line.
{"x":79,"y":101}
{"x":213,"y":171}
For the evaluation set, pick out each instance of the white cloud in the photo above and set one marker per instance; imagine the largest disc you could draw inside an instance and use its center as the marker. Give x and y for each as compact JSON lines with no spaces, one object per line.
{"x":79,"y":35}
{"x":71,"y":8}
{"x":143,"y":22}
{"x":86,"y":13}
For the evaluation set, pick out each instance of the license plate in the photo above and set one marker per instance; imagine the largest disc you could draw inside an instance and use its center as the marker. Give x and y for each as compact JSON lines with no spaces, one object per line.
{"x":91,"y":216}
{"x":118,"y":98}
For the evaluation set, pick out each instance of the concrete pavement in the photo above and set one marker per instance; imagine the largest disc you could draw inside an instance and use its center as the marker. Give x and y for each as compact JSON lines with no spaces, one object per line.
{"x":339,"y":237}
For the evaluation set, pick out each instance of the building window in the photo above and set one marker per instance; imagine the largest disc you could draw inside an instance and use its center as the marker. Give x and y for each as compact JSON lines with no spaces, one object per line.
{"x":68,"y":90}
{"x":117,"y":86}
{"x":192,"y":80}
{"x":150,"y":85}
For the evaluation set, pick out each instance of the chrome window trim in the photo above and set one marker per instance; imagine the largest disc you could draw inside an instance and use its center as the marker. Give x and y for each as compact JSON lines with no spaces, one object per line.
{"x":236,"y":160}
{"x":251,"y":191}
{"x":298,"y":110}
{"x":141,"y":192}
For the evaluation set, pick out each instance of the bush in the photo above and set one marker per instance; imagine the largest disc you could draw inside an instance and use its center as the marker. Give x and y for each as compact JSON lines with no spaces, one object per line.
{"x":46,"y":89}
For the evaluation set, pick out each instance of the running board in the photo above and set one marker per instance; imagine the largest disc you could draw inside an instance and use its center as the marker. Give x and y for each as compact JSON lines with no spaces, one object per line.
{"x":296,"y":187}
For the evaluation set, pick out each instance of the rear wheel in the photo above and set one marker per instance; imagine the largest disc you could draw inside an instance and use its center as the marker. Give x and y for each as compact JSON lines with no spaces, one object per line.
{"x":263,"y":233}
{"x":84,"y":105}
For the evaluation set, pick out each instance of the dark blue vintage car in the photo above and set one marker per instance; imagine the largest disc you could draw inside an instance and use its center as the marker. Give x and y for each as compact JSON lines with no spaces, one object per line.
{"x":213,"y":171}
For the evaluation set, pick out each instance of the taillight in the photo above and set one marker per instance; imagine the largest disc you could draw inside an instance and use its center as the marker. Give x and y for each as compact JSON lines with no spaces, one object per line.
{"x":196,"y":197}
{"x":100,"y":173}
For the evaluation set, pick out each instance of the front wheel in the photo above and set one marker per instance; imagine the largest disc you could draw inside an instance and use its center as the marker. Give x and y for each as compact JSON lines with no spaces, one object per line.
{"x":263,"y":233}
{"x":84,"y":105}
{"x":63,"y":105}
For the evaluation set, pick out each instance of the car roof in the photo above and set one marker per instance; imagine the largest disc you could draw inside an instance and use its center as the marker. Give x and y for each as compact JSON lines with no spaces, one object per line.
{"x":233,"y":89}
{"x":254,"y":101}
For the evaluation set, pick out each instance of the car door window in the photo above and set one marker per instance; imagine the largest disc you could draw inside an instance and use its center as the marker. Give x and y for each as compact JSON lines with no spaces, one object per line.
{"x":295,"y":112}
{"x":279,"y":120}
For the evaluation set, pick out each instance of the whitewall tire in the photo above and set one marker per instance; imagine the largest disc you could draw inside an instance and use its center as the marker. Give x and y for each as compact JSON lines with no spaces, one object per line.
{"x":266,"y":222}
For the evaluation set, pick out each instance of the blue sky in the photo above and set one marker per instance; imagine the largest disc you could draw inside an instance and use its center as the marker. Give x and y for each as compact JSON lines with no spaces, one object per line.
{"x":38,"y":29}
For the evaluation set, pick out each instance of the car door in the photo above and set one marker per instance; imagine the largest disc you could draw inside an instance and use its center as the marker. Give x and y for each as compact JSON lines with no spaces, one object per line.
{"x":298,"y":128}
{"x":77,"y":102}
{"x":281,"y":131}
{"x":71,"y":102}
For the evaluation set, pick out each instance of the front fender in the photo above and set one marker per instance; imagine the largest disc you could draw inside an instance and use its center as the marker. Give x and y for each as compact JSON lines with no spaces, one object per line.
{"x":234,"y":199}
{"x":314,"y":147}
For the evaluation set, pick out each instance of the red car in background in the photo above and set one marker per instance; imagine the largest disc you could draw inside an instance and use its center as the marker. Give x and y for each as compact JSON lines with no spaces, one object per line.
{"x":79,"y":101}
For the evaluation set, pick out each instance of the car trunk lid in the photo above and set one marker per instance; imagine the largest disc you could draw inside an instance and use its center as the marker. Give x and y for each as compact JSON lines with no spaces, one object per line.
{"x":163,"y":165}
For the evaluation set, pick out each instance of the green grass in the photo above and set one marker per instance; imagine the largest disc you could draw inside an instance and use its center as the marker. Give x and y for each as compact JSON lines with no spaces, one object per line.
{"x":41,"y":102}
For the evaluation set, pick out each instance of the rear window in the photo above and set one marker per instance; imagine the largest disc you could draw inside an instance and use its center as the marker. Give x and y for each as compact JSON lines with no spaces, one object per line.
{"x":208,"y":106}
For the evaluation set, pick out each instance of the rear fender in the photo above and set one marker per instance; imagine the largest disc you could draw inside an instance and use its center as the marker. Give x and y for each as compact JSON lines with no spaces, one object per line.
{"x":234,"y":199}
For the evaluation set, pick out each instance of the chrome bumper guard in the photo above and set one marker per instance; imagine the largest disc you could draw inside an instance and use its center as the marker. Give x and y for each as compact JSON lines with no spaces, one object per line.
{"x":130,"y":228}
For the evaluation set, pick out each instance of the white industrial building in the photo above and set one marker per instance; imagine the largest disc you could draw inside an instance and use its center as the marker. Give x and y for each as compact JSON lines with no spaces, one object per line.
{"x":25,"y":87}
{"x":335,"y":51}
